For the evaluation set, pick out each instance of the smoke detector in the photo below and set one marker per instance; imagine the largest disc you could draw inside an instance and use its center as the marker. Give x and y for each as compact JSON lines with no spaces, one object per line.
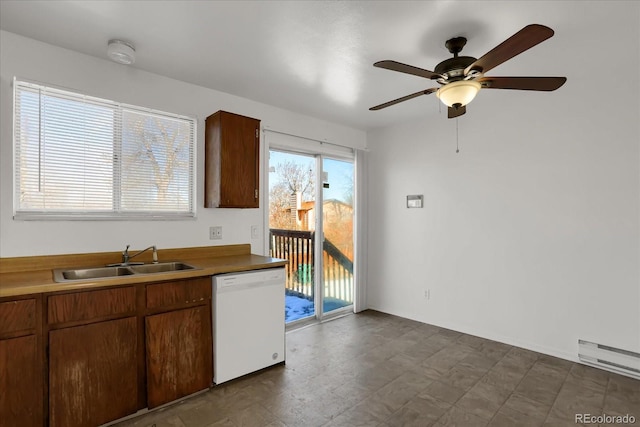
{"x":121,"y":52}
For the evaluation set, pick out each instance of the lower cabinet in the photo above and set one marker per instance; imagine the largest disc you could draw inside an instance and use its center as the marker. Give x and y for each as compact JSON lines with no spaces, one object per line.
{"x":93,"y":373}
{"x":20,"y":382}
{"x":89,"y":357}
{"x":21,"y":363}
{"x":179,"y":354}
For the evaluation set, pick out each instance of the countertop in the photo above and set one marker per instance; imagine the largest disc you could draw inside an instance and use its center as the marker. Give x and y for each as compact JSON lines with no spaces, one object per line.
{"x":34,"y":275}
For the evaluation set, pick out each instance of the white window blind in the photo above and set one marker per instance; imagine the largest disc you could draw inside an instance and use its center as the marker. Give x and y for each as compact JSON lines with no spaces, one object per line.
{"x":82,"y":157}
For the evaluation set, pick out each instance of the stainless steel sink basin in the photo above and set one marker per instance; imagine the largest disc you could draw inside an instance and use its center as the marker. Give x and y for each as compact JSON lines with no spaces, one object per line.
{"x":66,"y":275}
{"x":160,"y":267}
{"x":90,"y":273}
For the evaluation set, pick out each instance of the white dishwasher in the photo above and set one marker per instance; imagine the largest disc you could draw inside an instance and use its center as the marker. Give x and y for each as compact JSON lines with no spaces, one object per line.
{"x":248,"y":322}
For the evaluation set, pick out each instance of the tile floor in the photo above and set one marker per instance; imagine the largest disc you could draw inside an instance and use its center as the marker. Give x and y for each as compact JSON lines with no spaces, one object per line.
{"x":373,"y":369}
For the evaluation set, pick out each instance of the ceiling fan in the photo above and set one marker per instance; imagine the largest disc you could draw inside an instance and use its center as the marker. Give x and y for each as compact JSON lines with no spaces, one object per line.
{"x":462,"y":77}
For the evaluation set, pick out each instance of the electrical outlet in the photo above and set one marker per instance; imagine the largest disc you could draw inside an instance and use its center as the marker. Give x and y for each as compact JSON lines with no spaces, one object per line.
{"x":427,"y":294}
{"x":254,"y":231}
{"x":215,"y":233}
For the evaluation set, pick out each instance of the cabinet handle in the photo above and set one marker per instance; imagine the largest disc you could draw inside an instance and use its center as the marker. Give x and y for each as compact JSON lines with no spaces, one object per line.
{"x":255,"y":193}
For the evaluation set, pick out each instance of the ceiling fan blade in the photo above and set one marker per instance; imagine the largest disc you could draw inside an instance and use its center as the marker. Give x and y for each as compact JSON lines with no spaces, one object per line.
{"x":408,"y":69}
{"x":524,"y":39}
{"x":522,"y":83}
{"x":452,"y":112}
{"x":404,"y":98}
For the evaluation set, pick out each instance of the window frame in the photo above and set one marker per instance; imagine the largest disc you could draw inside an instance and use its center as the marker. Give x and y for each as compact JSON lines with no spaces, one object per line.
{"x":115,"y":213}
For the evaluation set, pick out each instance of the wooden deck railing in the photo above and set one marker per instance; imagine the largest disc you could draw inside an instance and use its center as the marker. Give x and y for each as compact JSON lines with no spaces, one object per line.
{"x":298,"y":247}
{"x":338,"y":273}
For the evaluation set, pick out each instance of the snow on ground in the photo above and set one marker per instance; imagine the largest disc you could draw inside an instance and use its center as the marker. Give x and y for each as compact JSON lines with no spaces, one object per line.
{"x":297,"y":308}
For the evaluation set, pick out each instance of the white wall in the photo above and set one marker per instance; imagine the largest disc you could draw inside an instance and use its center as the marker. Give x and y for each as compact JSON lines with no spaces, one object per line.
{"x":36,"y":61}
{"x":530,"y":235}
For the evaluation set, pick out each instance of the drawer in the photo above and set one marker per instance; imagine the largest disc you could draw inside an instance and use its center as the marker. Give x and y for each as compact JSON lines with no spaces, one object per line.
{"x":91,"y":304}
{"x":17,"y":315}
{"x":178,"y":293}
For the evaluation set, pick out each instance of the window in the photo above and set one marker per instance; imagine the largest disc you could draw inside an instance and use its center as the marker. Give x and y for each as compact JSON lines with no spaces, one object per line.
{"x":82,"y":157}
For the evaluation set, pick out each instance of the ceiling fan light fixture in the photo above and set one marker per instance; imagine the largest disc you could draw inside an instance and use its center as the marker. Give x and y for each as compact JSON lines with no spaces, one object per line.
{"x":121,"y":52}
{"x":461,"y":92}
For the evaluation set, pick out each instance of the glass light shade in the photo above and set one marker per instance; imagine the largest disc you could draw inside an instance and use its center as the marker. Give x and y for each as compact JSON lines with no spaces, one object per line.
{"x":461,"y":92}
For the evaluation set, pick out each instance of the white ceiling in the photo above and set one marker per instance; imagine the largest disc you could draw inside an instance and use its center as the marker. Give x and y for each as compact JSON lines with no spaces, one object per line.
{"x":313,"y":57}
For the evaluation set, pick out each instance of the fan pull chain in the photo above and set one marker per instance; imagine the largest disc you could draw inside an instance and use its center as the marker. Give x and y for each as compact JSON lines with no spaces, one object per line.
{"x":457,"y":147}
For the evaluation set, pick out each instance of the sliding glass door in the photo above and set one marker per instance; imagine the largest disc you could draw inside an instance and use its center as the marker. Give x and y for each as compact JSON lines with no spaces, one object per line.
{"x":337,"y":227}
{"x":292,"y":194}
{"x":311,"y":225}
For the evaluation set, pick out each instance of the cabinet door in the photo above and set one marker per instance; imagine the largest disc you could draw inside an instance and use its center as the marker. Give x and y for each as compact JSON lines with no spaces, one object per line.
{"x":168,"y":295}
{"x":232,"y":161}
{"x":179,"y":354}
{"x":239,"y":162}
{"x":93,"y":373}
{"x":20,"y":382}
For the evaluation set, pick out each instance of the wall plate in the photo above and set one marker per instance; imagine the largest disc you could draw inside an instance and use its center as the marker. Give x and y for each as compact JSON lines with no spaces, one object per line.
{"x":414,"y":201}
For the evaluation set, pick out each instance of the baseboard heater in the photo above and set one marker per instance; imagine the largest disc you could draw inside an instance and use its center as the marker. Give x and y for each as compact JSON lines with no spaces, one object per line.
{"x":613,"y":359}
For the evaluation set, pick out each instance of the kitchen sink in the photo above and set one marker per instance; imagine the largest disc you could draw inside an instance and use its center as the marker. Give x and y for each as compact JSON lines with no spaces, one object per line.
{"x":66,"y":275}
{"x":90,"y":273}
{"x":160,"y":267}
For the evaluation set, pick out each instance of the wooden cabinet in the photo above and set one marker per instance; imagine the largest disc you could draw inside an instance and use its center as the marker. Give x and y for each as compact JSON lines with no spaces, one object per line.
{"x":178,"y":341}
{"x":82,"y":306}
{"x":232,"y":161}
{"x":93,"y":373}
{"x":93,"y":356}
{"x":18,"y":317}
{"x":179,"y":293}
{"x":21,"y":364}
{"x":179,"y":352}
{"x":89,"y":357}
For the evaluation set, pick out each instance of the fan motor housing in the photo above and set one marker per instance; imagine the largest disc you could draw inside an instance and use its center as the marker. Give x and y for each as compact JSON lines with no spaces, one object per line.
{"x":454,"y":68}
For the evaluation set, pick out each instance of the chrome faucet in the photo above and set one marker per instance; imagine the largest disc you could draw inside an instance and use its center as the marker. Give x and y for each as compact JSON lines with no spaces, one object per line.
{"x":126,"y":258}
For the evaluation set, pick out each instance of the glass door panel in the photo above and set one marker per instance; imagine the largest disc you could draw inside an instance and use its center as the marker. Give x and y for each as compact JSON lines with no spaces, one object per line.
{"x":292,"y":235}
{"x":337,"y":226}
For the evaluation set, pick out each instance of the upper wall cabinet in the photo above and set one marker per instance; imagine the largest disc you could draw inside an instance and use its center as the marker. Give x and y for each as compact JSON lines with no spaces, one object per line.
{"x":232,"y":161}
